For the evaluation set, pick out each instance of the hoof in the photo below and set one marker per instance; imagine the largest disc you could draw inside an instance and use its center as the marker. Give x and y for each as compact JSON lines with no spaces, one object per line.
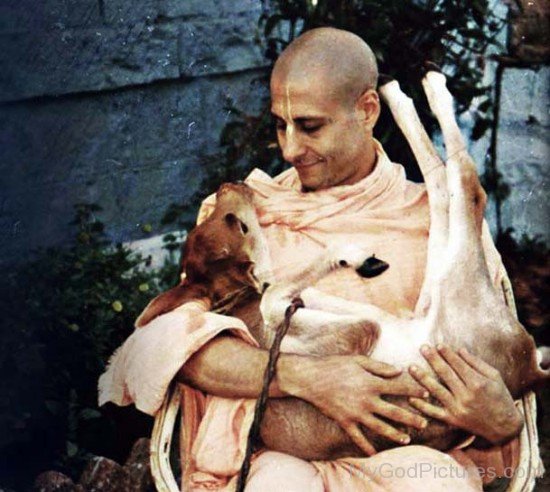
{"x":384,"y":79}
{"x":372,"y":267}
{"x":429,"y":66}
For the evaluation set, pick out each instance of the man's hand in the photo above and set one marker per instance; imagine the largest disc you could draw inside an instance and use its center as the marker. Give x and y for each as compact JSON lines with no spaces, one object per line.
{"x":474,"y":397}
{"x":349,"y":390}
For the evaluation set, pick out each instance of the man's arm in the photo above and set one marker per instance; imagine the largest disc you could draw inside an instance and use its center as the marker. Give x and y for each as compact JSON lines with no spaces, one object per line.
{"x":228,"y":367}
{"x":474,"y":397}
{"x":347,"y":389}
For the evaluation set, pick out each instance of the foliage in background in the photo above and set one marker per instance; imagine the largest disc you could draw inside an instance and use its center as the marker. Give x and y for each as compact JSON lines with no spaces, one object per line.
{"x":63,"y":315}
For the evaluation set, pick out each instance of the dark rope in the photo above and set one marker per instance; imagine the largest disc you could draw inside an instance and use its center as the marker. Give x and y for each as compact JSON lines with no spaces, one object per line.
{"x":261,"y":403}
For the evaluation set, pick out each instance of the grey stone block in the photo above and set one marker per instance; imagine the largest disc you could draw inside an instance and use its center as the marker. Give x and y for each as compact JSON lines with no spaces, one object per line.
{"x":133,"y":152}
{"x":523,"y":155}
{"x":523,"y":150}
{"x":134,"y":197}
{"x":124,"y":12}
{"x":519,"y":142}
{"x":219,"y":47}
{"x":72,"y":60}
{"x":32,"y":15}
{"x":209,"y":8}
{"x":527,"y":209}
{"x":525,"y":96}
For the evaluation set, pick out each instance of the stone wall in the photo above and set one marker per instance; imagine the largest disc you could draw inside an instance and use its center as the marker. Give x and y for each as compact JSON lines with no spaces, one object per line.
{"x":523,"y":150}
{"x":523,"y":146}
{"x":120,"y":103}
{"x":114,"y":102}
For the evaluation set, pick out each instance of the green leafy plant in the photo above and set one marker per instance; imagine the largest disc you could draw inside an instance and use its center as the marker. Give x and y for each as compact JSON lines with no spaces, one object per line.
{"x":64,"y":313}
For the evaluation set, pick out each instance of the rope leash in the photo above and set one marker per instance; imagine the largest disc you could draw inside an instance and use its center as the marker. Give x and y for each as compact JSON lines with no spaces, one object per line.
{"x":261,"y":403}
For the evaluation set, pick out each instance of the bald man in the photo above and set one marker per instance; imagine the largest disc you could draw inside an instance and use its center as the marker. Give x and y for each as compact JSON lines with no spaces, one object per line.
{"x":341,"y":187}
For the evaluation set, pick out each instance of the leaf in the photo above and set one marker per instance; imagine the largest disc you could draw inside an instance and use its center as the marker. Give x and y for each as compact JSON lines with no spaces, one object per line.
{"x":89,"y":414}
{"x":54,"y":407}
{"x":72,"y":449}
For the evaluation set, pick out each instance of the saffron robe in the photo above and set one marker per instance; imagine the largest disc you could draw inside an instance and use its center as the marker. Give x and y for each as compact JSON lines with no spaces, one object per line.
{"x":383,"y":211}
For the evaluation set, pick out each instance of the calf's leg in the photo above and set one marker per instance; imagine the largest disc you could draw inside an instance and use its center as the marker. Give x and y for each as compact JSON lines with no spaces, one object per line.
{"x":433,"y":170}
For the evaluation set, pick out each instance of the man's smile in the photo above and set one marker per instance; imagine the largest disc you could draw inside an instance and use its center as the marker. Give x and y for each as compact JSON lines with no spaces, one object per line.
{"x":306,"y":164}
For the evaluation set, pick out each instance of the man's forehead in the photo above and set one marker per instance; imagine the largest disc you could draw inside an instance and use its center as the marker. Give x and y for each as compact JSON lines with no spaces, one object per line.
{"x":303,"y":96}
{"x":303,"y":81}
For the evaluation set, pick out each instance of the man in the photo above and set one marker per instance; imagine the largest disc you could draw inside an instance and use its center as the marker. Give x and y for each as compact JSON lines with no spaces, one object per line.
{"x":341,"y":187}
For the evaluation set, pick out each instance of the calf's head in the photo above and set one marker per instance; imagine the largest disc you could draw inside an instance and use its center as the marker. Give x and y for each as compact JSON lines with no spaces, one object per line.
{"x":219,"y":255}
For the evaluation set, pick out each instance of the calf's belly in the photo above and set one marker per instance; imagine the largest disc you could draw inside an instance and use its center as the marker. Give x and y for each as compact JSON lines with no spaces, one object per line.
{"x":295,"y":427}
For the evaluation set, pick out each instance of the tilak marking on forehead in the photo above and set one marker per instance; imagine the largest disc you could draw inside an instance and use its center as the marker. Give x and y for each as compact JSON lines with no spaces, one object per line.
{"x":290,"y":128}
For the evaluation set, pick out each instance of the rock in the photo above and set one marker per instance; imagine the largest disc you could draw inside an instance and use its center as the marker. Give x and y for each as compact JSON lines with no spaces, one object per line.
{"x":138,"y":467}
{"x":104,"y":475}
{"x":51,"y":481}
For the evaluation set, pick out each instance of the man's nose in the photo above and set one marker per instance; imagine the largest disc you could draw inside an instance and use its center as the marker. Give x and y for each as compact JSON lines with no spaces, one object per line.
{"x":292,"y":146}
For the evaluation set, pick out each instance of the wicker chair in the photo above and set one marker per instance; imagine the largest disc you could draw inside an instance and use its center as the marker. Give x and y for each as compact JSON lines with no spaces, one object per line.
{"x":529,"y":468}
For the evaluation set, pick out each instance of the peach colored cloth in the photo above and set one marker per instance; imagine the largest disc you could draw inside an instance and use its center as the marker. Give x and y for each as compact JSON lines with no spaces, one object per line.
{"x":385,"y":211}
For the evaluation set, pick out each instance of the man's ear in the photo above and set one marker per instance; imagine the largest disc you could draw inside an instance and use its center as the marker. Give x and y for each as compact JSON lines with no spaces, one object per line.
{"x":368,"y":105}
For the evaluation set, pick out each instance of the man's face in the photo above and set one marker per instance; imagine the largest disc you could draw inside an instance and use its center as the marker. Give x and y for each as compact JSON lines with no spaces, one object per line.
{"x":320,"y":133}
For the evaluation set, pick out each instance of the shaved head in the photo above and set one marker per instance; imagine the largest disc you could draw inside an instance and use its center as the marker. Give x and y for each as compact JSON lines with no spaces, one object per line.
{"x":325,"y":106}
{"x":339,"y":60}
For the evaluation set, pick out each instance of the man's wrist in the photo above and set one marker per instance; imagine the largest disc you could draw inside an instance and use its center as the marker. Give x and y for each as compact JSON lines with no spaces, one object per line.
{"x":295,"y":374}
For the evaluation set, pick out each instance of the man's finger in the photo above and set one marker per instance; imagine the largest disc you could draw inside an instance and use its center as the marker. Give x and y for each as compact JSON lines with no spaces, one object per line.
{"x":359,"y":439}
{"x":477,"y":363}
{"x":404,"y":386}
{"x":385,"y":430}
{"x":442,"y":369}
{"x":458,"y":364}
{"x":402,"y":415}
{"x":435,"y":388}
{"x":379,"y":368}
{"x":429,"y":409}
